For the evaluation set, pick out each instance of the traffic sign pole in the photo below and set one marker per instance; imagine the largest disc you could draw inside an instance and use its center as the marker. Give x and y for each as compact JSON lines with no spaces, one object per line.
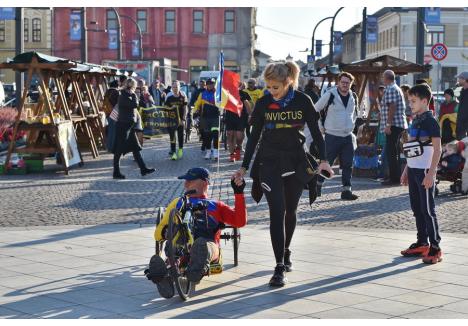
{"x":439,"y":52}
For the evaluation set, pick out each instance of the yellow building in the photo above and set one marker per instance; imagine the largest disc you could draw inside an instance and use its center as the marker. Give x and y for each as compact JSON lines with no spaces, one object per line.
{"x":37,"y":37}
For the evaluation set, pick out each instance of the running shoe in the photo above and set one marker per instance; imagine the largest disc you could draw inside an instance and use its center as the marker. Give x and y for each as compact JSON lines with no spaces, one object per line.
{"x":214,"y":154}
{"x":180,"y":153}
{"x":278,"y":279}
{"x":174,"y":157}
{"x":199,"y":261}
{"x":416,"y":249}
{"x":208,"y":154}
{"x":434,"y":255}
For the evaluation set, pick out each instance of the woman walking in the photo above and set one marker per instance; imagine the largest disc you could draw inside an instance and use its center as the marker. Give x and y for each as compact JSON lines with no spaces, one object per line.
{"x":281,"y":167}
{"x":125,"y":137}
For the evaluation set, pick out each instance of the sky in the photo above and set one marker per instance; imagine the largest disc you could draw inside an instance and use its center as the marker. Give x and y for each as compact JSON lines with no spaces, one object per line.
{"x":300,"y":23}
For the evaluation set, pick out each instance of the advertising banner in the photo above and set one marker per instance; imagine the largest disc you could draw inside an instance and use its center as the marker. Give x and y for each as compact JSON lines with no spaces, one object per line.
{"x":372,"y":29}
{"x":75,"y":26}
{"x":112,"y":39}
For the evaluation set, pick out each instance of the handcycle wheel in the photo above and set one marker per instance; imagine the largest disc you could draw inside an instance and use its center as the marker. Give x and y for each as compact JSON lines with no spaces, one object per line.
{"x":183,"y":285}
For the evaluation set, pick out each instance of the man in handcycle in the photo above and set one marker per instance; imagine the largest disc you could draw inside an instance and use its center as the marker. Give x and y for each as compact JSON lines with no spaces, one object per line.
{"x":206,"y":229}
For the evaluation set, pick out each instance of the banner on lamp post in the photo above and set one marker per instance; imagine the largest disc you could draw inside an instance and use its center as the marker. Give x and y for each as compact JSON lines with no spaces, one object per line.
{"x":7,"y":13}
{"x":338,"y":42}
{"x":318,"y":48}
{"x":112,"y":39}
{"x":75,"y":26}
{"x":135,"y":48}
{"x":372,"y":29}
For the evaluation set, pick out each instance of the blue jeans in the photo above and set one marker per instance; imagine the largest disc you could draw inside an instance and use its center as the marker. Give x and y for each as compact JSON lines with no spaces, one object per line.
{"x":341,"y":147}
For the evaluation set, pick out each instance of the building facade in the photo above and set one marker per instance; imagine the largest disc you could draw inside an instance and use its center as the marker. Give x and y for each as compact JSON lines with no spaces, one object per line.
{"x":397,"y":37}
{"x":37,"y":37}
{"x":190,"y":37}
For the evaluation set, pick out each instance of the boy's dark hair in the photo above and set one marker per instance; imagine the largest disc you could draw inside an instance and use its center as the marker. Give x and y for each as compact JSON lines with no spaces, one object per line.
{"x":405,"y":87}
{"x":423,"y":91}
{"x":450,"y":92}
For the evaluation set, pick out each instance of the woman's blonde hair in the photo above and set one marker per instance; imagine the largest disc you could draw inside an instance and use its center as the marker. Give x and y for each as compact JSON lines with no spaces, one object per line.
{"x":283,"y":72}
{"x":130,"y":83}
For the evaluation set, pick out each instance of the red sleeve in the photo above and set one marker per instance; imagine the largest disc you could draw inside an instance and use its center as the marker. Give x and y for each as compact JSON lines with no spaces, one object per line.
{"x":236,"y":217}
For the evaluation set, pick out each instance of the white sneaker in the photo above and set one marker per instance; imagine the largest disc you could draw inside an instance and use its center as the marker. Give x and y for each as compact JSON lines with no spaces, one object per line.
{"x":214,"y":154}
{"x":207,"y":155}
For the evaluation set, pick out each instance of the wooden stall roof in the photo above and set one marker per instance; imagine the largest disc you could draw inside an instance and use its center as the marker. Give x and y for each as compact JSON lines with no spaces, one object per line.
{"x":23,"y":61}
{"x":382,"y":63}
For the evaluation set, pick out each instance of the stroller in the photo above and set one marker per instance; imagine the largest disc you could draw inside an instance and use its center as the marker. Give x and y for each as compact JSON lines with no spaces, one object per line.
{"x":454,"y":173}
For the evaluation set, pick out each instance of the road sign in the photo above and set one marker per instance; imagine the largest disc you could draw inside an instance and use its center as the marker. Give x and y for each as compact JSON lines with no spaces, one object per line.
{"x":310,"y":62}
{"x":439,"y":51}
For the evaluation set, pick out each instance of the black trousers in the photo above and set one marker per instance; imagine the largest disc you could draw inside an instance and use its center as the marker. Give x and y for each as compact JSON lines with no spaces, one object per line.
{"x":180,"y":137}
{"x":282,"y":194}
{"x":126,"y":141}
{"x":209,"y":138}
{"x":392,"y":153}
{"x":423,"y":206}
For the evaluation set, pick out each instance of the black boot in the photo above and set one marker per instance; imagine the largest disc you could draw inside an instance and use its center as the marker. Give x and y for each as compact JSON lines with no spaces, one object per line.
{"x":287,"y":260}
{"x":146,"y":171}
{"x":278,"y":279}
{"x":117,"y":174}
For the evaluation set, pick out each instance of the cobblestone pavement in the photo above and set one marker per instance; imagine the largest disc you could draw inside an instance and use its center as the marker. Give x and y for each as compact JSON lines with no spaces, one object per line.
{"x":90,"y":196}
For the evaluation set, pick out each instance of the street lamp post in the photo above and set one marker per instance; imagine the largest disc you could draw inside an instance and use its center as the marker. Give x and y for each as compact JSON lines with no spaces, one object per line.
{"x":139,"y":34}
{"x":84,"y":36}
{"x":119,"y":35}
{"x":19,"y":48}
{"x":312,"y":50}
{"x":330,"y":55}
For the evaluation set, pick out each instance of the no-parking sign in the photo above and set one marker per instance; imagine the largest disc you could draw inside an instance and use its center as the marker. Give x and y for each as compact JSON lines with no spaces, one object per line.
{"x":439,"y":51}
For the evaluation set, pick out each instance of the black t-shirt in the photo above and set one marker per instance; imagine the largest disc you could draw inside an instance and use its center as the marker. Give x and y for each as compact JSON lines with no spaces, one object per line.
{"x":179,"y":102}
{"x":344,"y":99}
{"x":279,"y":127}
{"x":244,"y":96}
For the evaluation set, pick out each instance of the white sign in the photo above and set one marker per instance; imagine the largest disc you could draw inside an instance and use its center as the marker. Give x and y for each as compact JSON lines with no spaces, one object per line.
{"x":67,"y":141}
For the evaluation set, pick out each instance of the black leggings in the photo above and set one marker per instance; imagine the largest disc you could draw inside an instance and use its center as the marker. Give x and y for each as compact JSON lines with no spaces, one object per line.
{"x":180,"y":137}
{"x":282,"y":194}
{"x":210,"y":137}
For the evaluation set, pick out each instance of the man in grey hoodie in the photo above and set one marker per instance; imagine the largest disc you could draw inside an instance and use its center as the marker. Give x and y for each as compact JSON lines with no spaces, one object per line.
{"x":339,"y":125}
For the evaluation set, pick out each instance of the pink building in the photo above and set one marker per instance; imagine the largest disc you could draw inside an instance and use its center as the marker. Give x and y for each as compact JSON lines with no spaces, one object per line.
{"x":190,"y":37}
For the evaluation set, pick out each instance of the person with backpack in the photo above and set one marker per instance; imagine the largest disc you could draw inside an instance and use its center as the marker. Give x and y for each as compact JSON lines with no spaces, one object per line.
{"x":338,"y":110}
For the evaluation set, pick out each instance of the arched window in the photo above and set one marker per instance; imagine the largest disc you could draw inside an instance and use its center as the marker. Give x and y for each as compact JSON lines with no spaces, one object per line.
{"x":36,"y":30}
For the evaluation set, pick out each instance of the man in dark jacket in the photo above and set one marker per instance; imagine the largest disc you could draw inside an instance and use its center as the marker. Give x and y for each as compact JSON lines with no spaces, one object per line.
{"x":158,"y":95}
{"x":462,"y":116}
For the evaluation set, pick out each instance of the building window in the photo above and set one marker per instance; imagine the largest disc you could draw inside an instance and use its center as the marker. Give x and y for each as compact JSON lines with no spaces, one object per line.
{"x":170,"y":21}
{"x":2,"y":30}
{"x":198,"y":21}
{"x":395,"y":36}
{"x":36,"y":30}
{"x":142,"y":20}
{"x":26,"y":29}
{"x":229,"y":21}
{"x":111,"y":20}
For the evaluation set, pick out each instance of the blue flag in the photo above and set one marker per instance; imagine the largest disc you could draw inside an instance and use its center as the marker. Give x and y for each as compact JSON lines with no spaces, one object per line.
{"x":219,"y":81}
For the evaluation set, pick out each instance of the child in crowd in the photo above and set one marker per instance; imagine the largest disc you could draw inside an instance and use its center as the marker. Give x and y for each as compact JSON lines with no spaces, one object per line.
{"x":451,"y":158}
{"x":422,"y":152}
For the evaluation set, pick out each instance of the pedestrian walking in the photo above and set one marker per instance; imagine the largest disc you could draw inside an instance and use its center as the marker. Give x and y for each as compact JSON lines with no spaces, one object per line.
{"x":422,"y":153}
{"x":235,"y":127}
{"x":392,"y":123}
{"x":125,"y":137}
{"x":462,"y":115}
{"x":281,"y":170}
{"x":177,"y":100}
{"x":340,"y":104}
{"x":208,"y":112}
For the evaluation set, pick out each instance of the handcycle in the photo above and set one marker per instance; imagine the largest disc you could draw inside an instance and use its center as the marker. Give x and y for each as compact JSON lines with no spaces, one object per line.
{"x":178,"y":243}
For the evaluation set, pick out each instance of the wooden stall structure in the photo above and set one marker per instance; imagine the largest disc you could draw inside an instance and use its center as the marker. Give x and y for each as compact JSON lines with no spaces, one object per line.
{"x":48,"y":122}
{"x":371,"y":70}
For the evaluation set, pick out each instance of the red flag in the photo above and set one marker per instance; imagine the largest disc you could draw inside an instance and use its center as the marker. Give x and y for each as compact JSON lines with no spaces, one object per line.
{"x":230,"y":92}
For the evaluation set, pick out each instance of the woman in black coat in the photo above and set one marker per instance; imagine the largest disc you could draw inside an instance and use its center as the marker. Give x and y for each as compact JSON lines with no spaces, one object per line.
{"x":125,"y":138}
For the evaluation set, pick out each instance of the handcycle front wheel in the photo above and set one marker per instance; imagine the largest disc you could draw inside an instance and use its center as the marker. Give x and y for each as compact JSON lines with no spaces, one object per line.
{"x":183,"y":285}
